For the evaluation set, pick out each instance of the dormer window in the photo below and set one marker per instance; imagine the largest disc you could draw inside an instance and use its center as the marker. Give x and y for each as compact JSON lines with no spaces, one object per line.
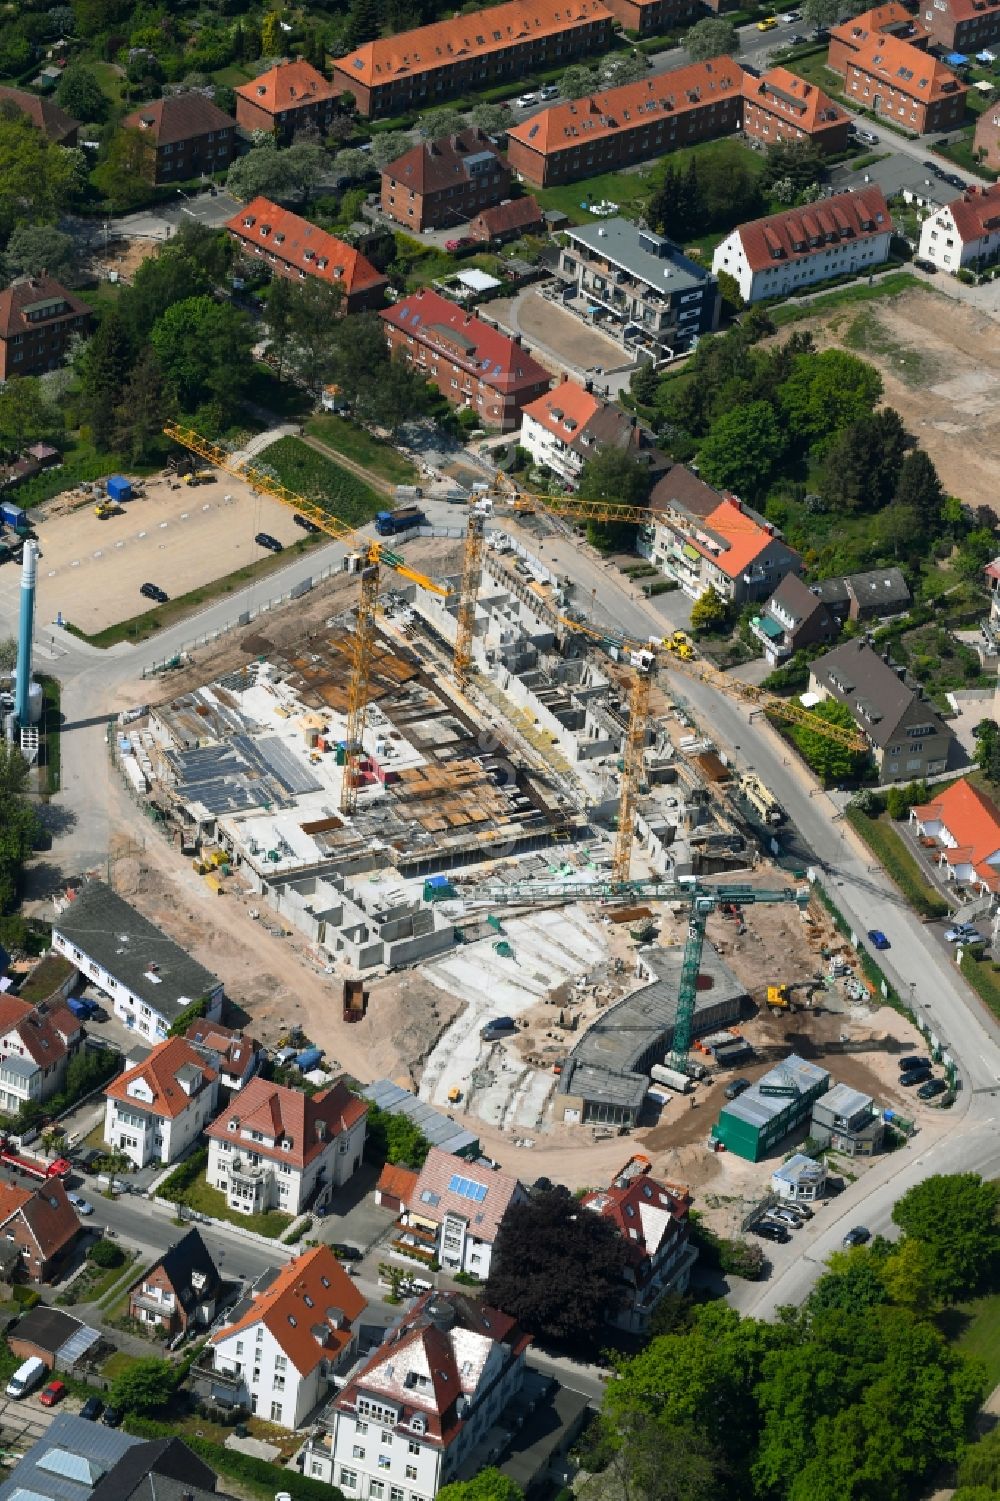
{"x":418,"y":1423}
{"x":233,"y":1124}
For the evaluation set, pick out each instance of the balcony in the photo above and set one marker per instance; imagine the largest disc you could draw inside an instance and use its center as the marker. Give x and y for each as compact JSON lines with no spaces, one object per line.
{"x":771,"y":636}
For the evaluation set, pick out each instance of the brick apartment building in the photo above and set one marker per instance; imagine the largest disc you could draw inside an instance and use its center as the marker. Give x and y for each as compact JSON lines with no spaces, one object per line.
{"x":192,"y":136}
{"x":986,"y":141}
{"x":38,"y":317}
{"x":892,"y":20}
{"x":779,"y":106}
{"x":655,"y":17}
{"x":286,"y":98}
{"x":38,"y":1227}
{"x":45,"y":115}
{"x":508,"y":221}
{"x":439,"y":183}
{"x":904,"y":84}
{"x":962,"y":25}
{"x":472,"y":363}
{"x":607,"y":131}
{"x":295,"y":249}
{"x":421,"y":67}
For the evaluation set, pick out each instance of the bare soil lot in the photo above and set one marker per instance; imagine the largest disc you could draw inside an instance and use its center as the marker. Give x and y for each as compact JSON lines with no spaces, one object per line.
{"x":940,"y":362}
{"x":179,"y":538}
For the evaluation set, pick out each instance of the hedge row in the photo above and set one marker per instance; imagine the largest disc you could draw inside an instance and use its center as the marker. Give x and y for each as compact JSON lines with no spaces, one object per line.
{"x":887,"y":847}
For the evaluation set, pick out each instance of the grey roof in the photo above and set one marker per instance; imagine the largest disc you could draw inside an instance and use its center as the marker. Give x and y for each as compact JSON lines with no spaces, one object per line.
{"x":878,"y":586}
{"x":162,"y":1469}
{"x":799,"y":1169}
{"x":792,"y":1078}
{"x":48,"y":1328}
{"x":797,"y":599}
{"x":440,"y":1130}
{"x":649,"y":257}
{"x":841,"y":1099}
{"x":875,"y":692}
{"x":23,"y":1067}
{"x":124,"y":943}
{"x":70,"y":1444}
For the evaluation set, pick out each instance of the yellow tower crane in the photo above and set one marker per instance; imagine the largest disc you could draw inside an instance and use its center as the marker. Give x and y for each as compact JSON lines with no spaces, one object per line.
{"x":575,"y":509}
{"x":374,"y":556}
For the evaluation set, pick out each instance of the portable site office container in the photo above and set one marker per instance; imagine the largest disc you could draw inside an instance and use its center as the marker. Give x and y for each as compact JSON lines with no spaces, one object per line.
{"x":763,"y":1115}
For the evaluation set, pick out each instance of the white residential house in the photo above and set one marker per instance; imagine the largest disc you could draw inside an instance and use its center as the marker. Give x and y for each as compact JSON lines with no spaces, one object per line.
{"x":149,"y":980}
{"x":153,"y":1112}
{"x":278,"y":1354}
{"x":965,"y":232}
{"x":454,"y":1213}
{"x":36,"y":1044}
{"x":278,"y":1148}
{"x":406,"y":1422}
{"x":782,"y":253}
{"x":566,"y":426}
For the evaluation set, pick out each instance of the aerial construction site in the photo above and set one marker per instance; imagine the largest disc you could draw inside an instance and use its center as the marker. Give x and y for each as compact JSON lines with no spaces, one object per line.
{"x":473,"y":845}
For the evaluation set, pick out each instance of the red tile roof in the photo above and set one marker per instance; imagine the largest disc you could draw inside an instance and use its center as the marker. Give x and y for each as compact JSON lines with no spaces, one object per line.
{"x":43,"y":113}
{"x":307,"y":1122}
{"x":973,"y":822}
{"x":159,"y":1072}
{"x":179,"y":117}
{"x":287,"y":86}
{"x":643,"y":1211}
{"x":28,"y":290}
{"x":493,"y":357}
{"x":976,"y":212}
{"x":786,"y":237}
{"x":891,"y":18}
{"x":785,"y":94}
{"x":12,"y":1010}
{"x":483,"y":1197}
{"x":309,"y":1308}
{"x":564,"y":411}
{"x":45,"y":1033}
{"x":519,"y":213}
{"x":460,"y":38}
{"x":48,"y":1215}
{"x":906,"y":69}
{"x":304,"y":245}
{"x":399,"y":1182}
{"x":630,"y":106}
{"x":432,"y":166}
{"x":234,"y":1049}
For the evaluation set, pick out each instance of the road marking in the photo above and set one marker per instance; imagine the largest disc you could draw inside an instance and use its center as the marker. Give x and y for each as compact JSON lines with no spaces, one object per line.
{"x":164,"y":524}
{"x":142,"y":534}
{"x":98,"y":554}
{"x":75,"y":563}
{"x":119,"y":544}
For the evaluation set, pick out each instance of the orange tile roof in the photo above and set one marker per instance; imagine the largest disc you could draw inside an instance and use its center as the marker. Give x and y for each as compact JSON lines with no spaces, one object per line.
{"x":785,"y":94}
{"x":461,"y":38}
{"x":308,"y":1122}
{"x":304,"y":245}
{"x":630,"y":106}
{"x":309,"y":1308}
{"x":892,"y":17}
{"x":973,"y":821}
{"x":744,"y":540}
{"x":12,"y":1198}
{"x":159,"y":1071}
{"x":397,"y":1181}
{"x":905,"y":68}
{"x":287,"y":86}
{"x":12,"y":1011}
{"x":564,"y":411}
{"x":785,"y":237}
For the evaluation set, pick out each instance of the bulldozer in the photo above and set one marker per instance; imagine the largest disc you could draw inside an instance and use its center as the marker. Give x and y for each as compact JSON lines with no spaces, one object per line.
{"x":779,"y":998}
{"x":678,"y":643}
{"x":105,"y":509}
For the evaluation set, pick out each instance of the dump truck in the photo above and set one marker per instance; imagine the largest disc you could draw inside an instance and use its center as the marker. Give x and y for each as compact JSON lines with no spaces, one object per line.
{"x":763,"y":802}
{"x":389,"y":523}
{"x":671,"y":1077}
{"x":355,"y":1000}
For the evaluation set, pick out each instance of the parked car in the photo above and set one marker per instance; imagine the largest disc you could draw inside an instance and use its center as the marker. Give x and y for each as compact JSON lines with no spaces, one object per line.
{"x":954,"y":179}
{"x":153,"y":591}
{"x":962,"y":932}
{"x":264,"y":539}
{"x":112,"y":1417}
{"x":305,"y":523}
{"x":933,"y":168}
{"x":786,"y":1217}
{"x":877,"y":939}
{"x":857,"y":1236}
{"x":797,"y":39}
{"x":549,"y":91}
{"x":868,"y":137}
{"x":462,"y":243}
{"x":768,"y":23}
{"x":767,"y":1230}
{"x":790,"y":16}
{"x":912,"y":1060}
{"x":80,"y":1204}
{"x":346,"y":1253}
{"x":735,"y":1088}
{"x":53,"y":1393}
{"x":801,"y":1211}
{"x":524,"y":101}
{"x":915,"y":1076}
{"x":92,"y":1409}
{"x":931,"y":1089}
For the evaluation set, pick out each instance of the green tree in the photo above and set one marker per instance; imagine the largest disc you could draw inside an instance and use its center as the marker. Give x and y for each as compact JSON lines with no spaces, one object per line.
{"x":488,"y":1485}
{"x":394,"y":1139}
{"x":271,"y":172}
{"x":19,"y":823}
{"x":898,"y":529}
{"x":955,"y":1217}
{"x":980,"y":1466}
{"x":656,"y":1461}
{"x":25,"y":415}
{"x":104,"y":364}
{"x":309,"y":312}
{"x":271,"y":37}
{"x":578,"y":81}
{"x":729,"y":291}
{"x":909,"y":1277}
{"x":544,"y":1245}
{"x":438,"y":123}
{"x":712,"y":37}
{"x":144,"y":1386}
{"x":81,"y":96}
{"x":614,"y":474}
{"x":861,"y":466}
{"x":362,"y":26}
{"x":140,"y":413}
{"x":975,"y":551}
{"x":830,"y":760}
{"x":743,"y":449}
{"x":204,"y":349}
{"x":827,"y":392}
{"x":918,"y":486}
{"x":125,"y":174}
{"x":38,"y":181}
{"x":159,"y":283}
{"x":33,"y":248}
{"x":854,"y":1282}
{"x":494,"y":119}
{"x":710,"y":613}
{"x":800,"y":163}
{"x":644,"y":382}
{"x":622,"y":68}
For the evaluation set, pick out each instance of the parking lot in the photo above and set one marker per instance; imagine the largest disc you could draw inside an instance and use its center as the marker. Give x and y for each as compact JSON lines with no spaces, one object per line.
{"x":179,"y":539}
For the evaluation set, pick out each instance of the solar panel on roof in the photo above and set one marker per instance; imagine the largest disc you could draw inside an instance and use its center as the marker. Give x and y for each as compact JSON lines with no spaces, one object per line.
{"x":467,"y":1188}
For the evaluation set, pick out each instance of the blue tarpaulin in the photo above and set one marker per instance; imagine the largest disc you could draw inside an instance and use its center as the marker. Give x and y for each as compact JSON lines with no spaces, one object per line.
{"x":956,"y":59}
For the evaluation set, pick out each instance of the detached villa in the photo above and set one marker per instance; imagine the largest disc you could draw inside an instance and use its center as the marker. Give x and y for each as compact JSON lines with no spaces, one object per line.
{"x":964,"y":825}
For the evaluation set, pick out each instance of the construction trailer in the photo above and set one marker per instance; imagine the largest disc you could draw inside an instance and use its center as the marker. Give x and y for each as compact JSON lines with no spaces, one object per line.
{"x":763,"y":1115}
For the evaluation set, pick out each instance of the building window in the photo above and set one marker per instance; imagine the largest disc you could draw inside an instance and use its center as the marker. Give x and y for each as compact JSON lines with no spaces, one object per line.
{"x":411,"y":1472}
{"x":275,"y":1412}
{"x":348,"y":1478}
{"x":358,"y":1452}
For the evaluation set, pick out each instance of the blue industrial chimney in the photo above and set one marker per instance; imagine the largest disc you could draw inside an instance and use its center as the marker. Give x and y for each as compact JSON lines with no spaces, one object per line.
{"x":25,"y":632}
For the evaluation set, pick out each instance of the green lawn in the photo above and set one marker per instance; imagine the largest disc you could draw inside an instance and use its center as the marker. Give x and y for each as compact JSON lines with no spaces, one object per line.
{"x":319,"y":479}
{"x":110,"y":79}
{"x":883,"y":841}
{"x":117,"y":1364}
{"x":860,"y":291}
{"x":984,"y":977}
{"x":233,"y":76}
{"x":975,"y":1328}
{"x":357,"y":443}
{"x":208,"y":1200}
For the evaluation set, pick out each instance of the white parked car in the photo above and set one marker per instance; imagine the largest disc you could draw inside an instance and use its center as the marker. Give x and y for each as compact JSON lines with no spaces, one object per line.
{"x":81,"y":1205}
{"x":524,"y":100}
